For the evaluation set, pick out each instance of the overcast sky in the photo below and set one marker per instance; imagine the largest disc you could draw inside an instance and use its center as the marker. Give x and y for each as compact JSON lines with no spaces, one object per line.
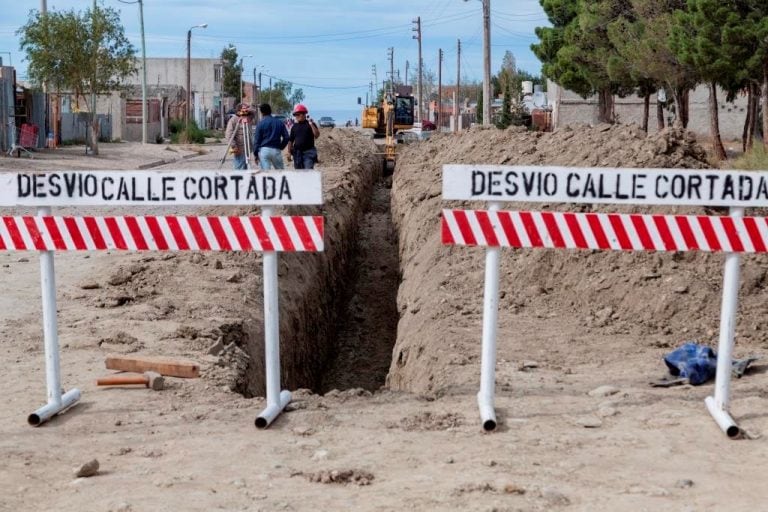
{"x":326,"y":47}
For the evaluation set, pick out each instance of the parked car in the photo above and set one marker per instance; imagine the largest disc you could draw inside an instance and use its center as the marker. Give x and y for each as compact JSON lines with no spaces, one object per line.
{"x":326,"y":122}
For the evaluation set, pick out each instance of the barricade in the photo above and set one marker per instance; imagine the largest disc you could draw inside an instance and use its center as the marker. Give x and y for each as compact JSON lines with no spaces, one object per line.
{"x":47,"y":233}
{"x":494,"y":229}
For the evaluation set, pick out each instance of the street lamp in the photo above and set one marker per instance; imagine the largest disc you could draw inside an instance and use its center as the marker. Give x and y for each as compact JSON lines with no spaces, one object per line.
{"x":143,"y":71}
{"x":241,"y":75}
{"x":189,"y":93}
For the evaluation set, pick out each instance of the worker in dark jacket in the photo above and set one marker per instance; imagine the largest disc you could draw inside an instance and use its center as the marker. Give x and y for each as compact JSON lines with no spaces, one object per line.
{"x":301,"y":145}
{"x":270,"y":139}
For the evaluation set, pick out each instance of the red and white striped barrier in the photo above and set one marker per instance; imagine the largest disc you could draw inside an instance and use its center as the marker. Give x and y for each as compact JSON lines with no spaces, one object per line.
{"x":606,"y":231}
{"x":161,"y":233}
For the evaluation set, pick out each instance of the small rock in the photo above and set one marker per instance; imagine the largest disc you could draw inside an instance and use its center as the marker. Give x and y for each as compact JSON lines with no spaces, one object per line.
{"x":528,"y":365}
{"x":90,"y":285}
{"x":120,"y":277}
{"x":588,"y":421}
{"x":490,"y":463}
{"x":23,"y":260}
{"x":684,"y":483}
{"x":303,"y":431}
{"x":554,"y":497}
{"x":606,"y":412}
{"x":603,"y":391}
{"x":449,"y":460}
{"x":513,"y":489}
{"x":681,"y":289}
{"x":90,"y":468}
{"x":239,"y":483}
{"x":320,"y":455}
{"x":217,"y":347}
{"x":237,"y":277}
{"x":196,"y":258}
{"x":218,"y":265}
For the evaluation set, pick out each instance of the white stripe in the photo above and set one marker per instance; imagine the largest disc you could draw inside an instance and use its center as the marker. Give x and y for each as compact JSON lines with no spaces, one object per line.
{"x":741,"y":230}
{"x":453,"y":227}
{"x":608,"y":231}
{"x":762,"y":227}
{"x":68,"y":242}
{"x":85,"y":233}
{"x":494,"y":216}
{"x":146,"y":233}
{"x":477,"y":231}
{"x":186,"y":229}
{"x":226,"y":225}
{"x":165,"y":229}
{"x":45,"y":234}
{"x":725,"y":244}
{"x":209,"y":235}
{"x":126,"y":233}
{"x":632,"y":234}
{"x":650,"y":225}
{"x":278,"y":245}
{"x":6,"y":236}
{"x":522,"y":234}
{"x":698,"y":233}
{"x":565,"y":230}
{"x":586,"y":230}
{"x":677,"y":235}
{"x":541,"y":227}
{"x":105,"y":233}
{"x":314,"y":232}
{"x":25,"y":235}
{"x":250,"y":232}
{"x":298,"y":244}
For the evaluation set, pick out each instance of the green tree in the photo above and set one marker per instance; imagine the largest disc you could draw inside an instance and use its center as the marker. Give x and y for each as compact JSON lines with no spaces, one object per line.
{"x":85,"y":53}
{"x":506,"y":109}
{"x":282,"y":97}
{"x":231,"y":72}
{"x":479,"y":108}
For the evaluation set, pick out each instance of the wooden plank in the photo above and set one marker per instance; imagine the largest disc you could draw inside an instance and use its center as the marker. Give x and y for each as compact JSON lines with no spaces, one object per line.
{"x":163,"y":365}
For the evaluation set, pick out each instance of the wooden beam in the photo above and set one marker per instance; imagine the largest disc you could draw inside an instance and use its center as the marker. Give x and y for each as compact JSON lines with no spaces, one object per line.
{"x":163,"y":365}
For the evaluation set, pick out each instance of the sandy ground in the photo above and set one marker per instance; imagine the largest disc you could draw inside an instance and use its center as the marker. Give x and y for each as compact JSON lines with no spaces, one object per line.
{"x":193,"y":446}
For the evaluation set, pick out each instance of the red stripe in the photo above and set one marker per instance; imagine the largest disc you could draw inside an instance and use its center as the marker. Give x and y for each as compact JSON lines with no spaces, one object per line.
{"x":74,"y":233}
{"x":531,"y":229}
{"x":261,"y":232}
{"x":685,"y":229}
{"x":487,"y":228}
{"x":198,"y":233}
{"x":664,"y":232}
{"x":301,"y":228}
{"x":709,"y":233}
{"x":573,"y":226}
{"x":464,"y":227}
{"x":3,"y":246}
{"x":177,"y":232}
{"x":320,"y":225}
{"x":34,"y":233}
{"x":55,"y":234}
{"x":617,"y":223}
{"x":554,"y":231}
{"x":509,"y":229}
{"x":733,"y":236}
{"x":16,"y":240}
{"x":642,"y":232}
{"x":445,"y":230}
{"x":114,"y":231}
{"x":754,"y":234}
{"x":282,"y":233}
{"x":218,"y":232}
{"x":597,"y":231}
{"x":138,"y":238}
{"x":240,"y":234}
{"x":157,"y":233}
{"x":93,"y":229}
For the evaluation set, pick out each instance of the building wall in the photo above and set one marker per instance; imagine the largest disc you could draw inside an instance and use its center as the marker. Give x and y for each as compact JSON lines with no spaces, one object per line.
{"x":202,"y":72}
{"x":570,"y":108}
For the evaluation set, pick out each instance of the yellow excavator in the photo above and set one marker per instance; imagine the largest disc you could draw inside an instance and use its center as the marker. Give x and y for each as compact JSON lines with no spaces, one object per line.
{"x":394,"y":114}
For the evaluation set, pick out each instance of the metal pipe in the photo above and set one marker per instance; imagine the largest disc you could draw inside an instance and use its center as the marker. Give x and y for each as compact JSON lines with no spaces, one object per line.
{"x":485,"y":398}
{"x":487,"y":63}
{"x":143,"y":76}
{"x":718,"y":406}
{"x":56,"y":403}
{"x":276,"y":400}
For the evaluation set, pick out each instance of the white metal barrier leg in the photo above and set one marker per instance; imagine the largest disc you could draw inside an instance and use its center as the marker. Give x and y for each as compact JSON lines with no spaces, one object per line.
{"x":276,"y":399}
{"x":485,"y":397}
{"x":56,"y":401}
{"x":718,"y":405}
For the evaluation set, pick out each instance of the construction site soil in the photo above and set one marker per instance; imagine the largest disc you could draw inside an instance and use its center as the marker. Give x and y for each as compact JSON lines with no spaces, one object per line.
{"x":581,"y":333}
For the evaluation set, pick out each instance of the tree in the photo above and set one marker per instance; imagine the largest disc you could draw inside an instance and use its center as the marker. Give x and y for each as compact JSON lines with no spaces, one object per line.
{"x":506,"y":109}
{"x":231,"y":72}
{"x":479,"y":108}
{"x":83,"y":53}
{"x":508,"y":71}
{"x":282,"y":97}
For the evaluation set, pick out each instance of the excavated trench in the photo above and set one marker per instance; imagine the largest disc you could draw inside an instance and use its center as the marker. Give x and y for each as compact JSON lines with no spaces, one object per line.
{"x":338,"y":314}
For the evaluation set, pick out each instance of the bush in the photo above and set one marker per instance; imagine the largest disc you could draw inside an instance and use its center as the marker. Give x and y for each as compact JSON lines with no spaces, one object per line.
{"x":756,"y":159}
{"x":180,"y":135}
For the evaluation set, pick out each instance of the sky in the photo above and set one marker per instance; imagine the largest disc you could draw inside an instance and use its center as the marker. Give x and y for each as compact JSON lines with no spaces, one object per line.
{"x":326,"y":47}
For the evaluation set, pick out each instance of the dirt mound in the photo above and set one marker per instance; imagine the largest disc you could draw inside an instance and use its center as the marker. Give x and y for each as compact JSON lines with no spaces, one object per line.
{"x":659,"y":298}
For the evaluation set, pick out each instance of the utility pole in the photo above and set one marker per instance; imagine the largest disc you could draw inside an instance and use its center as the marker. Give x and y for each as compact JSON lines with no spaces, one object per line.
{"x":143,"y":76}
{"x":375,"y":81}
{"x":417,"y":29}
{"x":439,"y":118}
{"x":406,"y":72}
{"x":456,"y":109}
{"x":253,"y":89}
{"x":486,"y":62}
{"x":93,"y":82}
{"x":371,"y":96}
{"x":391,"y":55}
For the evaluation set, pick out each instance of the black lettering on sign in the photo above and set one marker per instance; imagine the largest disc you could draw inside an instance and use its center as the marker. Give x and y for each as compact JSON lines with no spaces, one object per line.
{"x":168,"y":188}
{"x":528,"y":181}
{"x":151,"y":195}
{"x":711,"y":178}
{"x":90,"y":185}
{"x":617,"y":193}
{"x":728,"y":188}
{"x":678,"y":186}
{"x":54,"y":187}
{"x":23,"y":185}
{"x":638,"y":185}
{"x":236,"y":178}
{"x":104,"y":195}
{"x":70,"y":181}
{"x":135,"y":197}
{"x":253,"y":190}
{"x":659,"y":193}
{"x":762,"y":189}
{"x":478,"y":183}
{"x":221,"y":187}
{"x":493,"y":182}
{"x":509,"y":178}
{"x":285,"y":190}
{"x":694,"y":183}
{"x":550,"y":184}
{"x":589,"y":187}
{"x":205,"y":188}
{"x":269,"y":187}
{"x":122,"y":190}
{"x":189,"y":188}
{"x":38,"y":184}
{"x":571,"y":188}
{"x":745,"y":188}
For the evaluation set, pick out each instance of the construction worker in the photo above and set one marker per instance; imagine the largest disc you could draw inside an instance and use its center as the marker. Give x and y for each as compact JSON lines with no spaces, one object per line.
{"x":235,"y":134}
{"x":270,"y":139}
{"x":301,"y":145}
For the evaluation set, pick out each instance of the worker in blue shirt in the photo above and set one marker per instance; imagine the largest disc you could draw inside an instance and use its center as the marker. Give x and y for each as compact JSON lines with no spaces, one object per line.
{"x":270,"y":139}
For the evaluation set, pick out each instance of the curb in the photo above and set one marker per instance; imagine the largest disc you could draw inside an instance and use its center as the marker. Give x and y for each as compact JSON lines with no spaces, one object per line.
{"x":158,"y":163}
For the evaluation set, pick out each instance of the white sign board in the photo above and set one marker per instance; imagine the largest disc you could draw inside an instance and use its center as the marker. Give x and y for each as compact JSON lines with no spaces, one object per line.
{"x":152,"y":188}
{"x":702,"y":187}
